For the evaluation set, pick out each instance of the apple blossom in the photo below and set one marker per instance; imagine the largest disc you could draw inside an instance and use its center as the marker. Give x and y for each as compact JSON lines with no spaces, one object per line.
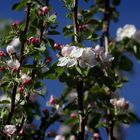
{"x":51,"y":101}
{"x":120,"y":103}
{"x":101,"y":55}
{"x":9,"y":130}
{"x":14,"y":64}
{"x":70,"y":56}
{"x":64,"y":129}
{"x":25,"y":79}
{"x":48,"y":60}
{"x":15,"y":42}
{"x":136,"y":36}
{"x":73,"y":115}
{"x":96,"y":136}
{"x":88,"y":58}
{"x":59,"y":137}
{"x":10,"y":49}
{"x":45,"y":9}
{"x":72,"y":137}
{"x":127,"y":31}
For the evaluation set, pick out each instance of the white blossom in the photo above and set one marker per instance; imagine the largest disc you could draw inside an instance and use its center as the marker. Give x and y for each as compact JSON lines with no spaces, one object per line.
{"x":64,"y":129}
{"x":102,"y":55}
{"x":120,"y":103}
{"x":127,"y":31}
{"x":72,"y":137}
{"x":137,"y":36}
{"x":25,"y":77}
{"x":13,"y":63}
{"x":10,"y":49}
{"x":15,"y":42}
{"x":70,"y":55}
{"x":9,"y":130}
{"x":59,"y":137}
{"x":88,"y":58}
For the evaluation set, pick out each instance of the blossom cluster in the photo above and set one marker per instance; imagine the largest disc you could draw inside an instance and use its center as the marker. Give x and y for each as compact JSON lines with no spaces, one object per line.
{"x":85,"y":57}
{"x":128,"y":31}
{"x":120,"y":103}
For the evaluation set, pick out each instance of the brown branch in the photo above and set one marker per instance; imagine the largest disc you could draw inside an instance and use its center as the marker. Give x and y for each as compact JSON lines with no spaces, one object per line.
{"x":82,"y":117}
{"x":74,"y":15}
{"x":20,"y":60}
{"x":12,"y":104}
{"x":82,"y":120}
{"x":24,"y":33}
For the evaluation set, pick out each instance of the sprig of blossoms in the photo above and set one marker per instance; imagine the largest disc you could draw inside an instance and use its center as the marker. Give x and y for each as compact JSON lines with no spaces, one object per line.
{"x":128,"y":31}
{"x":9,"y":130}
{"x":120,"y":103}
{"x":85,"y":57}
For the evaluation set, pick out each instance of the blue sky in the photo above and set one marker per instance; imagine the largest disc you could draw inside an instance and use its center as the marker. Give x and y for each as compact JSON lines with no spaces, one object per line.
{"x":129,"y":14}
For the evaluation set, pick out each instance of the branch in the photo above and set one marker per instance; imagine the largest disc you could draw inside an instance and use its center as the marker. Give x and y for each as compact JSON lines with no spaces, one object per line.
{"x":82,"y":117}
{"x":20,"y":60}
{"x":82,"y":120}
{"x":24,"y":33}
{"x":106,"y":22}
{"x":74,"y":15}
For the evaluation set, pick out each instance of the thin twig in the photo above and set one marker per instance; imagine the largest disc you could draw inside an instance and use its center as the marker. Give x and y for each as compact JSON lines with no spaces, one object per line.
{"x":75,"y":24}
{"x":20,"y":60}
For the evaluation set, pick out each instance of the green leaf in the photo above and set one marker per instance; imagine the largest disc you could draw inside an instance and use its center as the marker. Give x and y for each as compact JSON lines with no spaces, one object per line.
{"x":109,"y":83}
{"x":53,"y":32}
{"x":54,"y":72}
{"x":4,"y":102}
{"x":20,"y":5}
{"x":52,"y":19}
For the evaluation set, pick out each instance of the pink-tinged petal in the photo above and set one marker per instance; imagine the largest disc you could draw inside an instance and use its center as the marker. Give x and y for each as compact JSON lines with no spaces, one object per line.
{"x":71,"y":62}
{"x":62,"y":61}
{"x":77,"y":52}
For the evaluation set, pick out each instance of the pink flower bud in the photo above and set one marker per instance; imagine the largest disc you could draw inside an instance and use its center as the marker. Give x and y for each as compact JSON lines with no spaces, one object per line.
{"x":52,"y":100}
{"x":15,"y":24}
{"x":57,"y":46}
{"x":20,"y":89}
{"x":96,"y":136}
{"x":2,"y":53}
{"x":10,"y":49}
{"x":21,"y":132}
{"x":45,"y":9}
{"x":48,"y":60}
{"x":2,"y":68}
{"x":33,"y":40}
{"x":73,"y":115}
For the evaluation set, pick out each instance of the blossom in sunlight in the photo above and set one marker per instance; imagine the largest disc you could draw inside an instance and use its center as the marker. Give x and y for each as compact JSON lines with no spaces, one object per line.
{"x":59,"y":137}
{"x":9,"y":130}
{"x":26,"y":79}
{"x":127,"y":31}
{"x":64,"y":129}
{"x":72,"y":137}
{"x":51,"y":101}
{"x":10,"y":49}
{"x":15,"y":42}
{"x":136,"y":36}
{"x":14,"y":64}
{"x":70,"y":55}
{"x":96,"y":136}
{"x":120,"y":103}
{"x":101,"y":55}
{"x":88,"y":58}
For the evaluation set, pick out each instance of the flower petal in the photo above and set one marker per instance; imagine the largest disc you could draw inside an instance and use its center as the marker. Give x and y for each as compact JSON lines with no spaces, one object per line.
{"x":63,"y":61}
{"x":71,"y":62}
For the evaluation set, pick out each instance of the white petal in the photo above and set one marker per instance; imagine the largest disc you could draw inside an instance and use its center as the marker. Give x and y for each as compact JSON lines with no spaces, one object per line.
{"x":77,"y":52}
{"x":71,"y":62}
{"x":137,"y":36}
{"x":62,"y":61}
